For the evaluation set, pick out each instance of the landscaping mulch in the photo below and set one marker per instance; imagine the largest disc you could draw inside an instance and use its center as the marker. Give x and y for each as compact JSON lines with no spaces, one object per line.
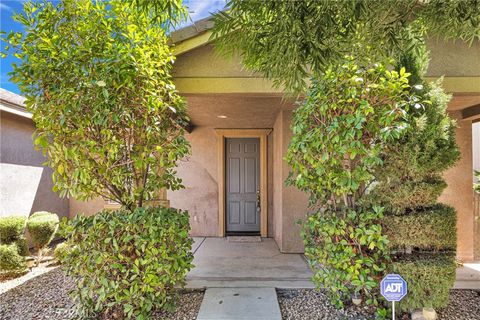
{"x":46,"y":297}
{"x":309,"y":304}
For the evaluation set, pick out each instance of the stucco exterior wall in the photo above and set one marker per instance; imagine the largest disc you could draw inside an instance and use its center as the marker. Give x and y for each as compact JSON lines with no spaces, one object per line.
{"x":454,"y":59}
{"x":26,"y":183}
{"x":87,"y":208}
{"x":290,"y":205}
{"x":476,"y":145}
{"x":459,"y":193}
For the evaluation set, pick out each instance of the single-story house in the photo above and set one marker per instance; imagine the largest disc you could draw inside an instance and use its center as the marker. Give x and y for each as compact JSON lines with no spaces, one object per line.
{"x":25,"y":183}
{"x":234,"y":178}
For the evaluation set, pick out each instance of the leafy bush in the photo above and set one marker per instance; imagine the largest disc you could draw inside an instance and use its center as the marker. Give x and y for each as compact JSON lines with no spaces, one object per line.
{"x":430,"y":278}
{"x":128,"y":262}
{"x":11,"y":228}
{"x":347,"y":253}
{"x":431,"y":228}
{"x":10,"y":259}
{"x":42,"y":226}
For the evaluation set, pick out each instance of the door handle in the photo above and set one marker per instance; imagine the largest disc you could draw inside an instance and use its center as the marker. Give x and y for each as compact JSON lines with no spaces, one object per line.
{"x":258,"y":200}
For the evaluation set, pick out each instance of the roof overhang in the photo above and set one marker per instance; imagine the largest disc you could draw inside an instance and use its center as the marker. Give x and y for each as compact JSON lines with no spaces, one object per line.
{"x":193,"y":36}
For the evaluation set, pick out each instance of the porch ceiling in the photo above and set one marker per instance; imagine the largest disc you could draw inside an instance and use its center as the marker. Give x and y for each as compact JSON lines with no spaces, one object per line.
{"x":235,"y":111}
{"x":463,"y":101}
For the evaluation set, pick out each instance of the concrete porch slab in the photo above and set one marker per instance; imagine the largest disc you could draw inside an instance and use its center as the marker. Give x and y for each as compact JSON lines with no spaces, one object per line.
{"x":468,"y":276}
{"x":220,"y":263}
{"x":240,"y":304}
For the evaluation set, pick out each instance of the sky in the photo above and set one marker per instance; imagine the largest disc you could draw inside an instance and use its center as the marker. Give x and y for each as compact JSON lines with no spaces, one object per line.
{"x":198,"y":9}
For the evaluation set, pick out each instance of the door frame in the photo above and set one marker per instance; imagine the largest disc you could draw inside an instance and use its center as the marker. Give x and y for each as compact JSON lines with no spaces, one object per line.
{"x":262,"y":134}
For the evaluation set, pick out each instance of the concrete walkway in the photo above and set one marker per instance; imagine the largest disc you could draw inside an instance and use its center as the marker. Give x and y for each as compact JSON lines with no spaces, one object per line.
{"x":240,"y":304}
{"x":221,"y":263}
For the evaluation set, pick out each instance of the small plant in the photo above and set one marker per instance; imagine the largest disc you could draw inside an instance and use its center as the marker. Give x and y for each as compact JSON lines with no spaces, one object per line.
{"x":10,"y":260}
{"x":61,"y":251}
{"x":128,"y":262}
{"x":11,"y":228}
{"x":42,"y":227}
{"x":476,"y":186}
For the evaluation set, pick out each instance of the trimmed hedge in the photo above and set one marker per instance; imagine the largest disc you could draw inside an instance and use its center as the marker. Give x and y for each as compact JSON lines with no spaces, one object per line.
{"x":430,"y":278}
{"x":11,"y":228}
{"x":61,"y":251}
{"x":128,"y":263}
{"x":10,"y":259}
{"x":42,"y":226}
{"x":23,"y":248}
{"x":431,"y":228}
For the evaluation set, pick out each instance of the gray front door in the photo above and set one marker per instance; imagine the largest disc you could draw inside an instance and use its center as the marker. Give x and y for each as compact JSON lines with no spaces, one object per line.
{"x":242,"y":182}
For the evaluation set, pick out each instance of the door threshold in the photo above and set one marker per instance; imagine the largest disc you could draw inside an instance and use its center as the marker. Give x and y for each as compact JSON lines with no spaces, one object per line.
{"x":246,"y":239}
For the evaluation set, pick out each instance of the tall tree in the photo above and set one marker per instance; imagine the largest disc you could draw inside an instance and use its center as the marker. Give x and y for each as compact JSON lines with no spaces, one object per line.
{"x":97,"y":78}
{"x":289,"y":40}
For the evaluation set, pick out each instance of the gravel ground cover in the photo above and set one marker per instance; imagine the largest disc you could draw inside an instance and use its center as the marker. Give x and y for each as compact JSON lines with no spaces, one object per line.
{"x":46,"y":297}
{"x":464,"y":305}
{"x":307,"y":304}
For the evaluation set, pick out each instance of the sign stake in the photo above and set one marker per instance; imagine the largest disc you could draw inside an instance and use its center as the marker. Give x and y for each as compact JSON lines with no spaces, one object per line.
{"x":393,"y":310}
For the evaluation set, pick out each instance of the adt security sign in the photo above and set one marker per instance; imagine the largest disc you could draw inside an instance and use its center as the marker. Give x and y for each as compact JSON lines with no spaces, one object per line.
{"x":393,"y":287}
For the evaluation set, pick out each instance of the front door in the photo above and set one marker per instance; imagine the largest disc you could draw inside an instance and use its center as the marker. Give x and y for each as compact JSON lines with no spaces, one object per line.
{"x":242,"y":156}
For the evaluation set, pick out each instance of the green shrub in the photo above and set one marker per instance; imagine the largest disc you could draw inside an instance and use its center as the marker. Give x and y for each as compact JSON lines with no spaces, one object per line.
{"x":429,"y":277}
{"x":10,"y":259}
{"x":347,"y":254}
{"x":61,"y":251}
{"x":42,"y":227}
{"x":128,"y":262}
{"x":431,"y":228}
{"x":11,"y":228}
{"x":23,"y":248}
{"x":411,"y":176}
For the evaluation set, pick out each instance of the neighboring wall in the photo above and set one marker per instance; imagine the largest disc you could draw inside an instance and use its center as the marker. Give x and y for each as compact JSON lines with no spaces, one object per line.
{"x":26,"y":184}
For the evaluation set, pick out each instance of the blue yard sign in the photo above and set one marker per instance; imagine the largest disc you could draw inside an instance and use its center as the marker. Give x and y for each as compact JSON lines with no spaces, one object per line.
{"x":393,"y":288}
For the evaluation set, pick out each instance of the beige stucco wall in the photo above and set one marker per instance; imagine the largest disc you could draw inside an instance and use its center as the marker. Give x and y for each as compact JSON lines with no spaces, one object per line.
{"x":448,"y":58}
{"x":87,"y":208}
{"x":290,"y":205}
{"x":27,"y":185}
{"x":459,"y":193}
{"x":454,"y":59}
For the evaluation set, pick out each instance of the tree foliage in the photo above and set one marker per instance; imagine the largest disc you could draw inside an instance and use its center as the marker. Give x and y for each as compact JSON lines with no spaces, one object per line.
{"x":340,"y":130}
{"x":339,"y":133}
{"x":412,"y":175}
{"x":97,"y":78}
{"x":287,"y":40}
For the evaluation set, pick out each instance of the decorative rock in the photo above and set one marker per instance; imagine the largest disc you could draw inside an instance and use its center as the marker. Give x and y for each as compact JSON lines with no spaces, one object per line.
{"x":429,"y":314}
{"x":418,"y":315}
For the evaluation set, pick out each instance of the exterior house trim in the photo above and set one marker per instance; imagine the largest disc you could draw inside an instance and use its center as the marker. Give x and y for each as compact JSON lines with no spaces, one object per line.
{"x":243,"y":133}
{"x":218,"y":85}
